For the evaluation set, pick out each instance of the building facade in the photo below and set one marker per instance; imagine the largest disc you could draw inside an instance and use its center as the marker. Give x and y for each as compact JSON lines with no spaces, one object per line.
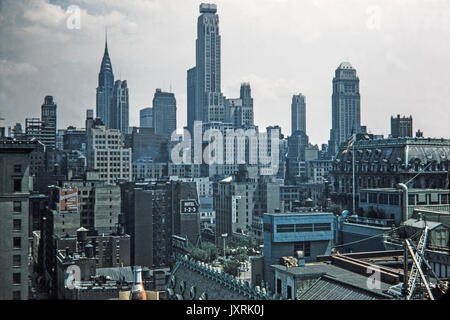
{"x":346,"y":106}
{"x":401,"y":127}
{"x":48,"y":118}
{"x":164,"y":112}
{"x":15,"y":186}
{"x":287,"y":233}
{"x":146,"y":118}
{"x":298,"y":113}
{"x":105,"y":91}
{"x":206,"y":102}
{"x":239,"y":111}
{"x":121,"y":106}
{"x":383,"y":163}
{"x":107,"y":153}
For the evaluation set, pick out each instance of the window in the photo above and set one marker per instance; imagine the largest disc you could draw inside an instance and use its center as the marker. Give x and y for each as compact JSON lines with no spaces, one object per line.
{"x":17,"y":225}
{"x":17,"y":185}
{"x":289,"y":292}
{"x":17,"y":242}
{"x":372,"y":198}
{"x":393,"y":199}
{"x":16,"y":261}
{"x":279,"y":286}
{"x":16,"y":278}
{"x":303,"y":246}
{"x":17,"y":206}
{"x":363,"y":197}
{"x":17,"y":168}
{"x":304,"y":227}
{"x":267,"y":227}
{"x":322,"y":227}
{"x":411,"y":199}
{"x":285,"y":228}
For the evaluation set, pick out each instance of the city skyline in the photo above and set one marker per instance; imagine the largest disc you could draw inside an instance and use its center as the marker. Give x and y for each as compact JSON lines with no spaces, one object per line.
{"x":384,"y":71}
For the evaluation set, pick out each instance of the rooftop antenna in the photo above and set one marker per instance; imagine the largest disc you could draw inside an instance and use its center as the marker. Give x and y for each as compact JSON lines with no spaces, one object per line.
{"x":170,"y":90}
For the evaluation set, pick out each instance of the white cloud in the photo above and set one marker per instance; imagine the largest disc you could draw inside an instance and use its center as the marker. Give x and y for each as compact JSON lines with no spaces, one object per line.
{"x":282,"y":47}
{"x":10,"y":68}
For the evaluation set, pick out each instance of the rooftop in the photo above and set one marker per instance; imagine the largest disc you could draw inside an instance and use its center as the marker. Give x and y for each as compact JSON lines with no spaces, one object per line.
{"x":345,"y":65}
{"x":208,"y":8}
{"x":338,"y":275}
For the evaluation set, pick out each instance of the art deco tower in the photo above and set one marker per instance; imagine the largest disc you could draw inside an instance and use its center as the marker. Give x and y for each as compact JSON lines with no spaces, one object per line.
{"x":346,"y":106}
{"x":298,"y":113}
{"x":105,"y":91}
{"x":205,"y":100}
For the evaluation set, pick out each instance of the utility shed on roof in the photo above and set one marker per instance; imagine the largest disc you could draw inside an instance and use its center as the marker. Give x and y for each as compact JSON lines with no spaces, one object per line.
{"x":438,"y":235}
{"x":325,"y":281}
{"x":117,"y":274}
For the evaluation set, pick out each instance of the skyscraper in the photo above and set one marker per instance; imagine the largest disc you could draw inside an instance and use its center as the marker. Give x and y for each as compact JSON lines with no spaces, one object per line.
{"x":121,"y":106}
{"x":206,"y":102}
{"x":247,"y":105}
{"x":193,"y":112}
{"x":346,"y":106}
{"x":48,"y":127}
{"x":164,"y":112}
{"x":105,"y":91}
{"x":401,"y":127}
{"x":298,"y":113}
{"x":146,"y":118}
{"x":239,"y":112}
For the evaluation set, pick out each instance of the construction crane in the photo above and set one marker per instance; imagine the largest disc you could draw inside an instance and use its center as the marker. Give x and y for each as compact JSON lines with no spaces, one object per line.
{"x":417,"y":266}
{"x":408,"y":288}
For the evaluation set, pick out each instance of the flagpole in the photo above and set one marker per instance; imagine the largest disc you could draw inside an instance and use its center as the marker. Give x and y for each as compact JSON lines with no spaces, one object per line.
{"x":353,"y":153}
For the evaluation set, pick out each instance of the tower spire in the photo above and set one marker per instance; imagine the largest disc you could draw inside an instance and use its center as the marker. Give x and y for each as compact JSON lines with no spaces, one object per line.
{"x":106,"y":41}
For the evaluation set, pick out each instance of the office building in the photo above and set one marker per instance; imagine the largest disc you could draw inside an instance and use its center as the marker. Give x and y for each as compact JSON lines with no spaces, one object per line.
{"x":383,"y":163}
{"x":401,"y":127}
{"x":164,"y":113}
{"x":298,"y":113}
{"x":346,"y":107}
{"x":48,"y":118}
{"x":239,"y":111}
{"x":121,"y":106}
{"x":15,"y":186}
{"x":146,"y":144}
{"x":105,"y":91}
{"x":146,"y":118}
{"x":286,"y":233}
{"x":205,"y":101}
{"x":107,"y":153}
{"x":33,"y":127}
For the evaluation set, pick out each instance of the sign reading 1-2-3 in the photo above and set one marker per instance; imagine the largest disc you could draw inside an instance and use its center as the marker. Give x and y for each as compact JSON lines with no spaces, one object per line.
{"x":189,"y":206}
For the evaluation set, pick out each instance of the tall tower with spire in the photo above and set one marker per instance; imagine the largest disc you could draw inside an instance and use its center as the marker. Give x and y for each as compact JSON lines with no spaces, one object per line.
{"x":105,"y":90}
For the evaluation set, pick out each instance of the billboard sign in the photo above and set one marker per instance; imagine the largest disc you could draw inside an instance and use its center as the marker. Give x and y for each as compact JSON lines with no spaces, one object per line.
{"x":189,"y":206}
{"x":68,"y":200}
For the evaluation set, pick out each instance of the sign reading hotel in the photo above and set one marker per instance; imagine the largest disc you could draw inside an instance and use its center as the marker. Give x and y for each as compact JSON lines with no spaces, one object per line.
{"x":68,"y":200}
{"x":189,"y":206}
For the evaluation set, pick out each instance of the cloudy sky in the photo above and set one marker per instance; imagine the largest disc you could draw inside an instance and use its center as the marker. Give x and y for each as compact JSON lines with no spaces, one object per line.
{"x":400,"y":49}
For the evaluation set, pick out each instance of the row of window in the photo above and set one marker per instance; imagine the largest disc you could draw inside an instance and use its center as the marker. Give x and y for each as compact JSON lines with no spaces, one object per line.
{"x":305,"y":227}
